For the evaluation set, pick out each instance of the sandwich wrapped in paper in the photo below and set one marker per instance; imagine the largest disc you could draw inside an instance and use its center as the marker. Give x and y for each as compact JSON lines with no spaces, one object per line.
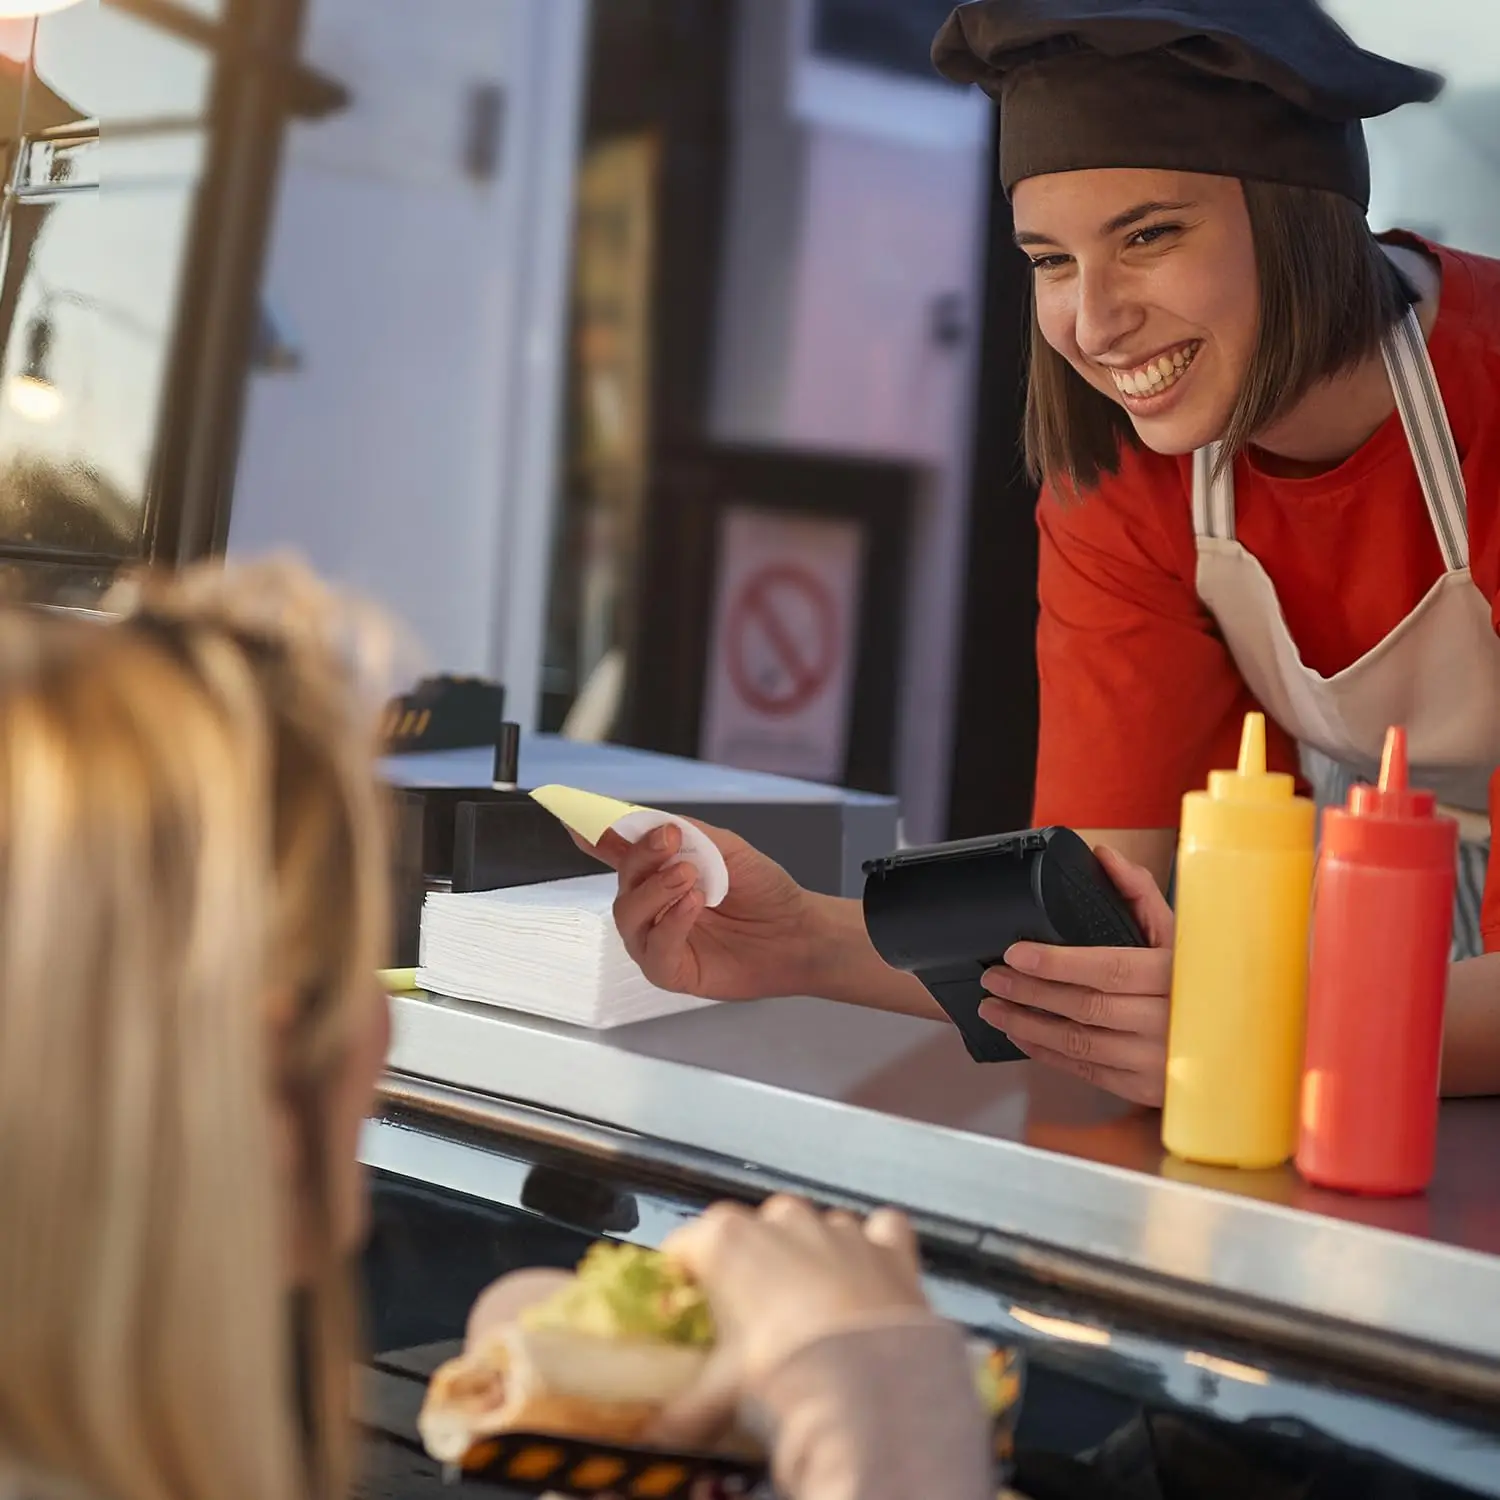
{"x":600,"y":1358}
{"x":559,"y":1385}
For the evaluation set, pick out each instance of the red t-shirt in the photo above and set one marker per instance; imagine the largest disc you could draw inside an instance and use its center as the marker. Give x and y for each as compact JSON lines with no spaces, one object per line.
{"x":1140,"y":697}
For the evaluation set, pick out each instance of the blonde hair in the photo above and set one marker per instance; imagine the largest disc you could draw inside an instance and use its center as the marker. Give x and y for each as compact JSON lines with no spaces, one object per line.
{"x":189,"y":825}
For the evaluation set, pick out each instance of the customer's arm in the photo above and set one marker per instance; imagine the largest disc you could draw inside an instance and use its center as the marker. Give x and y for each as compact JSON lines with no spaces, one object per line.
{"x":886,"y":1411}
{"x":834,"y":1354}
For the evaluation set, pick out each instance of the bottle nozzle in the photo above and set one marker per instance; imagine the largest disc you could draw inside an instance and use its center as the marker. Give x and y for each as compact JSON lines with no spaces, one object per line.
{"x":1393,"y":767}
{"x":1250,"y":802}
{"x":1253,"y":746}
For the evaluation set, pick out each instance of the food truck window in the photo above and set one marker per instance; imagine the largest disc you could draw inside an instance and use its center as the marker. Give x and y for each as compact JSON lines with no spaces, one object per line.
{"x":139,"y":140}
{"x":91,"y":283}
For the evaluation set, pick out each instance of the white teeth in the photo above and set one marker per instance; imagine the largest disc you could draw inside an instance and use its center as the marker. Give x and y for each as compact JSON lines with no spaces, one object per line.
{"x":1160,"y":375}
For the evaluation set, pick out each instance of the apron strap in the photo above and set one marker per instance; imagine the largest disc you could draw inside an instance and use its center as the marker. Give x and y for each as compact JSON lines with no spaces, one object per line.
{"x":1213,"y":495}
{"x":1428,"y":434}
{"x":1430,"y":437}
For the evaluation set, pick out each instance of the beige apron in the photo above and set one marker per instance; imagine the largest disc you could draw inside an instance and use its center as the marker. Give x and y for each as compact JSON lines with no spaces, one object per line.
{"x":1437,"y":673}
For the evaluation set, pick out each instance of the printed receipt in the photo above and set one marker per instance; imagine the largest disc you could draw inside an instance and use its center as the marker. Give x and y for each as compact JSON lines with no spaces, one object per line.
{"x":591,"y":816}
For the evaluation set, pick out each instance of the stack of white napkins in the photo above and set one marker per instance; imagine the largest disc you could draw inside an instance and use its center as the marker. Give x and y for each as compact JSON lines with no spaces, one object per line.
{"x":549,"y":950}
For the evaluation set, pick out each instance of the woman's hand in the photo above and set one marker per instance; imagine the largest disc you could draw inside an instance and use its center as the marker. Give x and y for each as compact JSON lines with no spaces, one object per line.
{"x":780,"y":1280}
{"x":1099,"y":1013}
{"x":788,"y":1276}
{"x":756,"y":944}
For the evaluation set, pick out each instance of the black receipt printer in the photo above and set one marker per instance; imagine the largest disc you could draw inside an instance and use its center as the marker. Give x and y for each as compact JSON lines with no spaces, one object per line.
{"x":948,"y":912}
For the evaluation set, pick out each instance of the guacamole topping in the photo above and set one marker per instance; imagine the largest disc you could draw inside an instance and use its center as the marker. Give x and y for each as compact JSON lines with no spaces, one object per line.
{"x":627,"y":1292}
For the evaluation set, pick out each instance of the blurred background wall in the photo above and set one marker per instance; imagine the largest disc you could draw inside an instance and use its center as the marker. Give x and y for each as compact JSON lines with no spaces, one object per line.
{"x":659,"y":358}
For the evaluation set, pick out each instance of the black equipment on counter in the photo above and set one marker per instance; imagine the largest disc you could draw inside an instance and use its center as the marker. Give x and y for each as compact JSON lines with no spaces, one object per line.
{"x":473,"y":838}
{"x":443,"y":713}
{"x":948,"y":912}
{"x":507,"y":769}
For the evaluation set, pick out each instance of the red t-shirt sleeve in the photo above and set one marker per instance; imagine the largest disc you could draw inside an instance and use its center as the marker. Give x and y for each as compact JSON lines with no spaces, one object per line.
{"x":1140,"y":697}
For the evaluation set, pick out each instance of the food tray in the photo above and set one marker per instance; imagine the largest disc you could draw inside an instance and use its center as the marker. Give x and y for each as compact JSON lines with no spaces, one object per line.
{"x":540,"y":1464}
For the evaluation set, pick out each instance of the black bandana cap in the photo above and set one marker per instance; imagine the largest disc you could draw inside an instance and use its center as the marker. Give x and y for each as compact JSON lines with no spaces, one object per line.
{"x":1269,"y":90}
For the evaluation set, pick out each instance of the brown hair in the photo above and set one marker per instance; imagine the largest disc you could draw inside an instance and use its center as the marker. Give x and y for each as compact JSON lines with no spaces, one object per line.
{"x":192,"y":903}
{"x":1328,"y":296}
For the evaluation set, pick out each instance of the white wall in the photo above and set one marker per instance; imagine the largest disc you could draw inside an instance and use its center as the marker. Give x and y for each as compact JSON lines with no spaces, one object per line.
{"x":1436,"y":168}
{"x":856,"y":200}
{"x":412,"y":455}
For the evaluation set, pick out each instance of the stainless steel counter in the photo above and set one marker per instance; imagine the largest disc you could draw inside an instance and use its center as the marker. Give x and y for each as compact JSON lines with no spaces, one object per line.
{"x":890,"y":1109}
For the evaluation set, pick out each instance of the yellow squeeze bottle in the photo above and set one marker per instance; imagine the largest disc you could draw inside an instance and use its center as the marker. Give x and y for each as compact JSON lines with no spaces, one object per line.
{"x":1239,"y":974}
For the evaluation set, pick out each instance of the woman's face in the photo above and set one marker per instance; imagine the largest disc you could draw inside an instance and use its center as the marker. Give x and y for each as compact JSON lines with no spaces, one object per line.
{"x":1146,"y":284}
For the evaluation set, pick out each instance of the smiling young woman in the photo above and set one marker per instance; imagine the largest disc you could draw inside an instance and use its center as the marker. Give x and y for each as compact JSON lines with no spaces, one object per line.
{"x":1271,"y":320}
{"x":1266,"y":437}
{"x":1269,"y":443}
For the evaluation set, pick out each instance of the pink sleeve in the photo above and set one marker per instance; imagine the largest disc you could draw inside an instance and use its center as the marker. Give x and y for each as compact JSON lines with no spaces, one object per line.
{"x":885,"y":1411}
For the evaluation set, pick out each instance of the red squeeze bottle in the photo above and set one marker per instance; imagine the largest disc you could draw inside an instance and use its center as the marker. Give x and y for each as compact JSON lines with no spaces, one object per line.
{"x":1381,"y":932}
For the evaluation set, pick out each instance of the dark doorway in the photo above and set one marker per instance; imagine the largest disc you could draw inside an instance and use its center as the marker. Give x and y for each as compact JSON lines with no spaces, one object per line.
{"x":995,"y":733}
{"x":650,"y":213}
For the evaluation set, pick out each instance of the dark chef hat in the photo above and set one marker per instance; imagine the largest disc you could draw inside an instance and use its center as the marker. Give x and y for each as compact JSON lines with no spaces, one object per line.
{"x":1272,"y":90}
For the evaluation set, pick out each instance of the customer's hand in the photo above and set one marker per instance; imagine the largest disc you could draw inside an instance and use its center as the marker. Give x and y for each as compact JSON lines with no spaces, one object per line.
{"x":780,"y":1280}
{"x":756,"y":944}
{"x":787,"y":1276}
{"x":1099,"y":1013}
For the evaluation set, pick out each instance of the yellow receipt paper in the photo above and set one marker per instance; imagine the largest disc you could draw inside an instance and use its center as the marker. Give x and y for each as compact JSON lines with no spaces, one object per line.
{"x":591,"y":816}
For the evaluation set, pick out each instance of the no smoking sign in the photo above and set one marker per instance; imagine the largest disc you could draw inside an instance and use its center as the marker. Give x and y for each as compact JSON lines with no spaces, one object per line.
{"x":782,"y":652}
{"x":782,"y":643}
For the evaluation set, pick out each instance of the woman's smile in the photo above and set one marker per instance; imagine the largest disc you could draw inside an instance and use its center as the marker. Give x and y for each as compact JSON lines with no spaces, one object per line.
{"x":1152,"y":387}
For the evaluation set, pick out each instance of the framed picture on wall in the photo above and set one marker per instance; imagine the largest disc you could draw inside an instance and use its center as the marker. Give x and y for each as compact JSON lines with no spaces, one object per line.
{"x":772,"y":612}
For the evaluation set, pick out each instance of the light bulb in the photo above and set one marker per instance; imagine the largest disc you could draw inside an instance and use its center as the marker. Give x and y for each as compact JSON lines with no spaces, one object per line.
{"x":36,"y":400}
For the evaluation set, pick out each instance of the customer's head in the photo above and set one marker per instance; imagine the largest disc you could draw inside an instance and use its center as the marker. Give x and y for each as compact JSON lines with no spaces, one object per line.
{"x":191,"y":912}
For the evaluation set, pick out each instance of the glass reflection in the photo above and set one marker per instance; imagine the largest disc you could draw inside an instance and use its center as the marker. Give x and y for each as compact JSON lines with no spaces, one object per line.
{"x":84,"y":363}
{"x":123,"y":70}
{"x":91,"y":284}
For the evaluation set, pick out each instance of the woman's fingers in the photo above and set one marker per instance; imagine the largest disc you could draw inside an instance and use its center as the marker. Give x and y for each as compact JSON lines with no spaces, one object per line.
{"x":638,"y":862}
{"x":1138,"y":886}
{"x":610,"y":850}
{"x":794,"y":1215}
{"x":1115,"y":971}
{"x":892,"y":1231}
{"x":1101,"y":1014}
{"x":1148,"y":1087}
{"x":1145,"y":1015}
{"x":1116,"y":1051}
{"x":649,"y":883}
{"x":701,"y":1245}
{"x":666,"y":952}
